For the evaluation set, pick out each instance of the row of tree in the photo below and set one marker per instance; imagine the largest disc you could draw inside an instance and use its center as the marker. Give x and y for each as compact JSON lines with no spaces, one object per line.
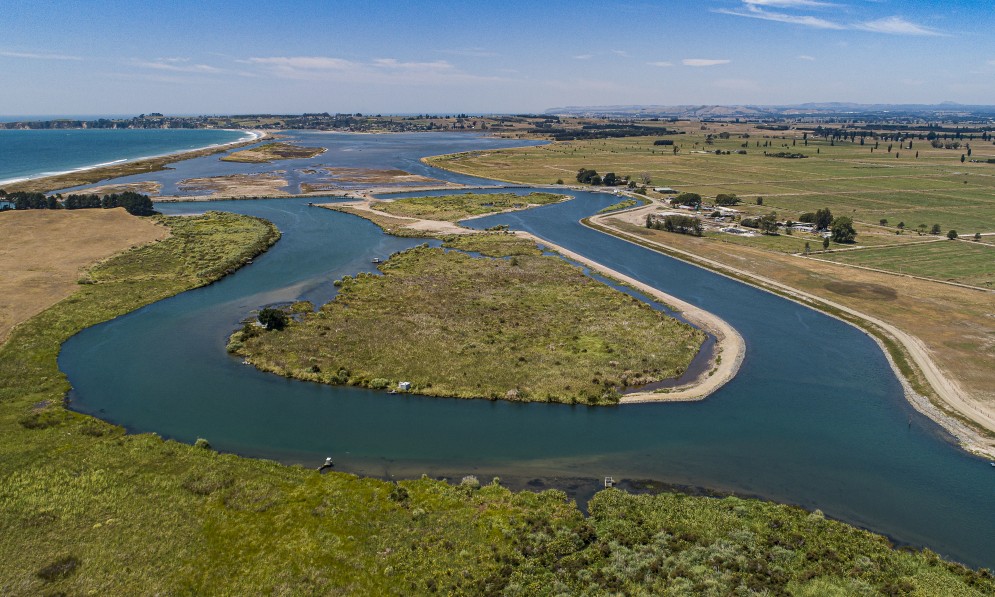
{"x":134,"y":203}
{"x":676,"y":223}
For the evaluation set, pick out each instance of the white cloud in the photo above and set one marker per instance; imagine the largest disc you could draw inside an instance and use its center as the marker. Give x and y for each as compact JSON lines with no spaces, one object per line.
{"x":392,"y":63}
{"x":304,"y":62}
{"x":583,"y":56}
{"x":757,"y":9}
{"x":789,"y":3}
{"x":379,"y":70}
{"x":472,"y":52}
{"x":806,"y":57}
{"x":662,"y":63}
{"x":621,"y":53}
{"x":754,"y":12}
{"x":703,"y":62}
{"x":177,"y":65}
{"x":897,"y":26}
{"x":36,"y":56}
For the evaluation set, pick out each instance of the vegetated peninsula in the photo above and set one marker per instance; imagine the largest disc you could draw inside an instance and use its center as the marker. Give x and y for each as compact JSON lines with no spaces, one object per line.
{"x":518,"y":326}
{"x":271,"y":152}
{"x":451,"y":208}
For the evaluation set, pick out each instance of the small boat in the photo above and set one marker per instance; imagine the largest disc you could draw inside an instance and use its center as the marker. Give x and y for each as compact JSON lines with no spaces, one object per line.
{"x":376,"y":260}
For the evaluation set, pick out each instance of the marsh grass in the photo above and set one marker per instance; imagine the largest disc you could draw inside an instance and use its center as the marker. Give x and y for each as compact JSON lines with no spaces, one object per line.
{"x":451,"y":208}
{"x":528,"y":328}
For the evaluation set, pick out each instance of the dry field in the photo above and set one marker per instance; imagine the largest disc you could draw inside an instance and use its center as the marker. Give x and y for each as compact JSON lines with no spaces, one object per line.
{"x":43,"y":252}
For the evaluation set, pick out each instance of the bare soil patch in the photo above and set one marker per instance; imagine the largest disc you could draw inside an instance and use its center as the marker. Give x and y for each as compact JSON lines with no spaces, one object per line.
{"x":271,"y":152}
{"x":237,"y":185}
{"x":351,"y":178}
{"x":43,"y":253}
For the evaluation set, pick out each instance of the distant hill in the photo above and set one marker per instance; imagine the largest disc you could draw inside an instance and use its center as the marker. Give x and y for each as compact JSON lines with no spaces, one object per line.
{"x":813,"y":109}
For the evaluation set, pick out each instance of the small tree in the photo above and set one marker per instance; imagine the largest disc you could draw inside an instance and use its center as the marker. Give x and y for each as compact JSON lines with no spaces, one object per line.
{"x":935,"y":229}
{"x":823,"y":219}
{"x":952,"y":235}
{"x":273,"y":319}
{"x":768,"y":223}
{"x":760,"y":200}
{"x":842,"y":230}
{"x":825,"y":242}
{"x":883,"y":221}
{"x":901,"y":225}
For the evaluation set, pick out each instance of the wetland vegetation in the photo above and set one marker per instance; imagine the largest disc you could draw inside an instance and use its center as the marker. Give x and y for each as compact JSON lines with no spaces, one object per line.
{"x":452,"y":208}
{"x":79,"y":497}
{"x":271,"y":152}
{"x":516,"y":326}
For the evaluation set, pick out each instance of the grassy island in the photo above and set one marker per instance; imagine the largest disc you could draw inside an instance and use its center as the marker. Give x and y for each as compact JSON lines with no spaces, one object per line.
{"x":87,"y":509}
{"x":271,"y":152}
{"x":528,"y":327}
{"x":451,"y":208}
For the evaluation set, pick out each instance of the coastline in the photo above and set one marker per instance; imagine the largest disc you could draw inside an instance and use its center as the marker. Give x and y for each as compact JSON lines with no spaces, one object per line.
{"x":730,"y":347}
{"x":252,"y":137}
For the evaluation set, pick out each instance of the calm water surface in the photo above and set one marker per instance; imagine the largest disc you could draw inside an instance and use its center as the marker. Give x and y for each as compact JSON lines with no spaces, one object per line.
{"x":30,"y":153}
{"x":814,"y":418}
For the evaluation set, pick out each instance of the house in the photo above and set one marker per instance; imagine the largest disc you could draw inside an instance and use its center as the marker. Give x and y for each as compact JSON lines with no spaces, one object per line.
{"x":404,"y":386}
{"x":665,"y":190}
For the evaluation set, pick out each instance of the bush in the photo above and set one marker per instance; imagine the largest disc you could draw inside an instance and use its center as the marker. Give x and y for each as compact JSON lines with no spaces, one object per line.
{"x":202,"y":443}
{"x":273,"y":319}
{"x":470,"y":481}
{"x":379,"y":383}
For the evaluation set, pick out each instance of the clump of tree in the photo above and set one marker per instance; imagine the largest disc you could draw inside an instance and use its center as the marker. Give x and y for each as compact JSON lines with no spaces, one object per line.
{"x":842,"y":231}
{"x":663,"y":142}
{"x":727,"y":199}
{"x":952,"y":235}
{"x":676,"y":223}
{"x":587,"y":176}
{"x":134,"y":203}
{"x":689,"y":199}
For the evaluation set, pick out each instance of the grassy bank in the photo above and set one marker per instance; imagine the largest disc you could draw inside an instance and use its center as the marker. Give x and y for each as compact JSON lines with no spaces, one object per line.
{"x":86,"y":509}
{"x":451,"y":208}
{"x":529,"y":328}
{"x":271,"y":152}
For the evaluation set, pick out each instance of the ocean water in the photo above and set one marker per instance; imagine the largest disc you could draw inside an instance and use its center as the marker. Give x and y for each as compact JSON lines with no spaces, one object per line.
{"x":33,"y":153}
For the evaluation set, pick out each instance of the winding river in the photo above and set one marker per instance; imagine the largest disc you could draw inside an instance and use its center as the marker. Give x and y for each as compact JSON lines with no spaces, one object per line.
{"x":815,"y":417}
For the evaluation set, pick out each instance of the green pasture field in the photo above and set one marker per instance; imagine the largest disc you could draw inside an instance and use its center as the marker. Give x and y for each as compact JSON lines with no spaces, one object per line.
{"x":961,"y":261}
{"x":848,"y":178}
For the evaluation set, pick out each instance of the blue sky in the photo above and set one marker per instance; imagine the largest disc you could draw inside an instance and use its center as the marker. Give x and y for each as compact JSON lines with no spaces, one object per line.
{"x":192,"y":57}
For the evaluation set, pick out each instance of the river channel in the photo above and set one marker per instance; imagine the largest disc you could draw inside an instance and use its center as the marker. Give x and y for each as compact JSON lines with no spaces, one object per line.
{"x":815,"y":416}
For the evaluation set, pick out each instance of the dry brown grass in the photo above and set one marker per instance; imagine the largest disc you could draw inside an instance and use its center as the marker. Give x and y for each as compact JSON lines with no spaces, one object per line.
{"x":43,"y":252}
